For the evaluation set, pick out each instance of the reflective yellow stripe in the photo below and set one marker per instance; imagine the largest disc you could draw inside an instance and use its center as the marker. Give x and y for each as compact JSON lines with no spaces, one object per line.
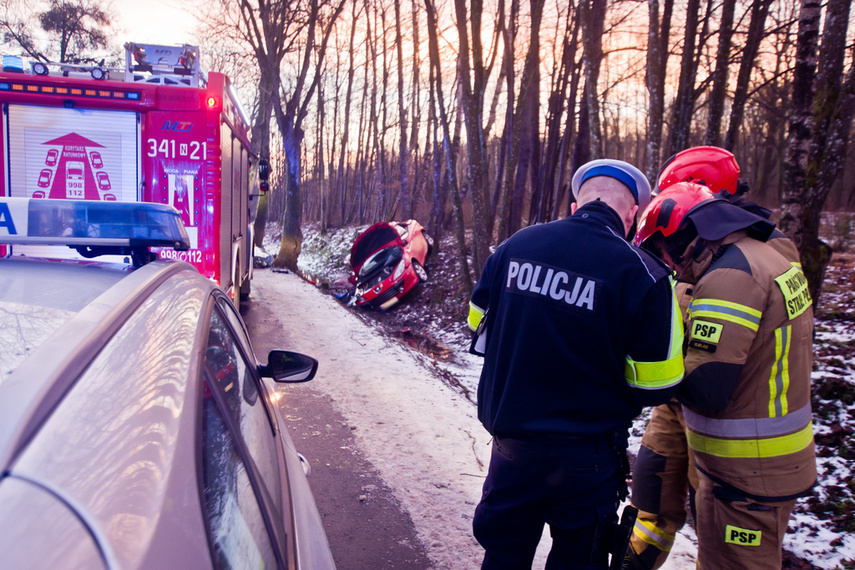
{"x":476,"y":313}
{"x":751,"y":448}
{"x":779,"y":381}
{"x":726,"y":311}
{"x":654,"y":375}
{"x":653,"y":535}
{"x":658,"y":375}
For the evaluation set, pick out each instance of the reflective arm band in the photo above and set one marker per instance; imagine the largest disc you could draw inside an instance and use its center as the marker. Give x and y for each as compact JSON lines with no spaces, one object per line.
{"x":751,"y":448}
{"x":667,"y":373}
{"x":725,"y":311}
{"x":654,"y":375}
{"x":651,"y":534}
{"x":476,"y":313}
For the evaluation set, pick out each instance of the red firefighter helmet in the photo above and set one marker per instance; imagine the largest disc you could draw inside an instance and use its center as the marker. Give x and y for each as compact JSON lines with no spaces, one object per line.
{"x":667,"y":211}
{"x":711,"y":166}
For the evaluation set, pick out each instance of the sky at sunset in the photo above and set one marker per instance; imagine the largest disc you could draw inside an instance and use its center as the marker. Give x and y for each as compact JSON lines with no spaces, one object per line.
{"x":165,"y":22}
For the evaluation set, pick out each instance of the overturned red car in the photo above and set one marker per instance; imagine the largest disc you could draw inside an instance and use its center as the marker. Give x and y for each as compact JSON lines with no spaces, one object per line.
{"x":388,"y":261}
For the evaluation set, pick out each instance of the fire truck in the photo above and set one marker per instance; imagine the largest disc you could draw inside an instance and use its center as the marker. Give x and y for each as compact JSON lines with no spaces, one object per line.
{"x":159,"y":130}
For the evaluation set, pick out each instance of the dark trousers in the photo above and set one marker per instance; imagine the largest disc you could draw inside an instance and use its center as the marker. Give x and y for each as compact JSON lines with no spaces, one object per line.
{"x":570,"y":484}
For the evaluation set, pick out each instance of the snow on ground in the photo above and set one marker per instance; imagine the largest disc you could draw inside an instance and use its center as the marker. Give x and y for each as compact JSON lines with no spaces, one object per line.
{"x":422,"y":437}
{"x":821,"y":531}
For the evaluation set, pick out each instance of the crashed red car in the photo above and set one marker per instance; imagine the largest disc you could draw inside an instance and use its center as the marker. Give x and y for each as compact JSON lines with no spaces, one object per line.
{"x":388,"y":261}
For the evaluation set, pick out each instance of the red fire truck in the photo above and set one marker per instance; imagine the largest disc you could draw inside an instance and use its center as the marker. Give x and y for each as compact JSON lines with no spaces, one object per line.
{"x":160,"y":130}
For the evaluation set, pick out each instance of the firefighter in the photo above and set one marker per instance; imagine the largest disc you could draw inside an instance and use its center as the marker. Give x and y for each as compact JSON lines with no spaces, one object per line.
{"x":579,"y":330}
{"x":664,"y":472}
{"x":746,"y":395}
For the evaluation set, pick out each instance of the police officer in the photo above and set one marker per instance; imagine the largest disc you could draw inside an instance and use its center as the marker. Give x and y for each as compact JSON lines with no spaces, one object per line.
{"x":746,"y":396}
{"x":579,"y":330}
{"x":664,"y":472}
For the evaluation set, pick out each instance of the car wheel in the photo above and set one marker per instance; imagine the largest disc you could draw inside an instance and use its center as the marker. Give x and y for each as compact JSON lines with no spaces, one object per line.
{"x":429,"y":241}
{"x":245,"y":290}
{"x":420,"y":271}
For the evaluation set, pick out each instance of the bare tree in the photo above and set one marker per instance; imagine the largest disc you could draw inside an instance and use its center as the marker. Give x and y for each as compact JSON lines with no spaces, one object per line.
{"x":17,"y":23}
{"x":759,"y":11}
{"x":823,"y":106}
{"x":290,"y":116}
{"x":681,"y":121}
{"x":433,"y":43}
{"x":473,"y":77}
{"x":406,"y":207}
{"x":75,"y":29}
{"x":658,"y":35}
{"x":589,"y":143}
{"x":720,"y":75}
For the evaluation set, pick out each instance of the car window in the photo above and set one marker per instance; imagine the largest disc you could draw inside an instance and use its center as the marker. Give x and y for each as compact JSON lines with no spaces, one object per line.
{"x":228,"y":309}
{"x":238,"y":533}
{"x":244,"y":403}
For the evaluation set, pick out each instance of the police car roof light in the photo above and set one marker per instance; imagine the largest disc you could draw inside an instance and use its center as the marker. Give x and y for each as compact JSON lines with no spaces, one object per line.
{"x":91,"y":223}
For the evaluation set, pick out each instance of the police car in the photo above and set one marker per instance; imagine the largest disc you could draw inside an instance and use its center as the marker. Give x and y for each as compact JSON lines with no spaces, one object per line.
{"x":137,"y":429}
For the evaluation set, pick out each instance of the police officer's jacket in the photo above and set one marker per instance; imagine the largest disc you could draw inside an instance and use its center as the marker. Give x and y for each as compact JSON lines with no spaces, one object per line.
{"x":582,"y":329}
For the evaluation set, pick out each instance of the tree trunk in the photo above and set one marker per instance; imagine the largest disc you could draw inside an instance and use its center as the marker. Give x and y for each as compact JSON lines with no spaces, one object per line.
{"x":657,"y":63}
{"x":818,"y":133}
{"x":433,"y":43}
{"x":525,"y":125}
{"x":261,"y":147}
{"x":290,"y":121}
{"x":593,"y":14}
{"x":503,"y":198}
{"x":406,"y":207}
{"x":720,"y":75}
{"x":472,"y":105}
{"x":292,"y":233}
{"x":759,"y":11}
{"x":551,"y":182}
{"x":681,"y":121}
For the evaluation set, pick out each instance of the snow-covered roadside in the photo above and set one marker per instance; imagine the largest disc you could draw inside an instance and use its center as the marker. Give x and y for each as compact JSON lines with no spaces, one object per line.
{"x":423,"y":438}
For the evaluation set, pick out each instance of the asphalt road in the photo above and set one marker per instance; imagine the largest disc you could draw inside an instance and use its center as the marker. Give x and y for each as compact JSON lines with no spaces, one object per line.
{"x":365,"y":524}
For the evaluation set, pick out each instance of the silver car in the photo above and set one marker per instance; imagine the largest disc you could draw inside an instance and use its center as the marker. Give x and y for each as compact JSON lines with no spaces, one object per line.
{"x":137,"y":429}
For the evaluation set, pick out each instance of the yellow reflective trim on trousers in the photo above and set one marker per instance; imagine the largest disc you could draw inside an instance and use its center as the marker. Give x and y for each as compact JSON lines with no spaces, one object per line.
{"x":751,"y":448}
{"x":726,"y":311}
{"x":653,"y":535}
{"x":476,"y":313}
{"x":658,"y":375}
{"x":779,"y":381}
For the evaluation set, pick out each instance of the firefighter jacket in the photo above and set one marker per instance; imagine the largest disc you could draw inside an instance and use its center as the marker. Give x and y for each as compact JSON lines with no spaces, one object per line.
{"x":748,"y":364}
{"x":582,"y":329}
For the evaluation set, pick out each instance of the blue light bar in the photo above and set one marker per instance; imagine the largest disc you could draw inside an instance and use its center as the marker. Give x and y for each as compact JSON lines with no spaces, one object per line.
{"x":91,"y":223}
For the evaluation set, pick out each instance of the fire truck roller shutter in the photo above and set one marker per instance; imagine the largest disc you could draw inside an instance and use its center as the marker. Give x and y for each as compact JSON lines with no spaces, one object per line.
{"x":105,"y":144}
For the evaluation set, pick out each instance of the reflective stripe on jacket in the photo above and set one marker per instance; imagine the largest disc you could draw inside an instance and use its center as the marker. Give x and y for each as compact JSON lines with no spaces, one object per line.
{"x":581,"y":329}
{"x":748,"y":365}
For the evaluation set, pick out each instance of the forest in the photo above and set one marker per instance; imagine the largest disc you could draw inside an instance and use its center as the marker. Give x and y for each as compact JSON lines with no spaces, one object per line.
{"x":472,"y":116}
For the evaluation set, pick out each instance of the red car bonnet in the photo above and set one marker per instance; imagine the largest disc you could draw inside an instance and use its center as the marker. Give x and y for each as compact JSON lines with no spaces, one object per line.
{"x":371,"y":240}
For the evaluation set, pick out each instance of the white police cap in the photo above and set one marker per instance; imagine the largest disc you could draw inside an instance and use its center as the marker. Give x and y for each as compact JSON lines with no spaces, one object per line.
{"x":622,"y":171}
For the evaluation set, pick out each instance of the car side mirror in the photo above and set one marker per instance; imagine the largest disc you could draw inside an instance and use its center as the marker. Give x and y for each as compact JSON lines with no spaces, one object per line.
{"x":287,"y":366}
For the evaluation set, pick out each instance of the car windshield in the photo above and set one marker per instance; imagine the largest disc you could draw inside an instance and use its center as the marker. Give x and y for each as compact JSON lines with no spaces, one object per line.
{"x":23,"y":328}
{"x":36,"y":299}
{"x":388,"y":256}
